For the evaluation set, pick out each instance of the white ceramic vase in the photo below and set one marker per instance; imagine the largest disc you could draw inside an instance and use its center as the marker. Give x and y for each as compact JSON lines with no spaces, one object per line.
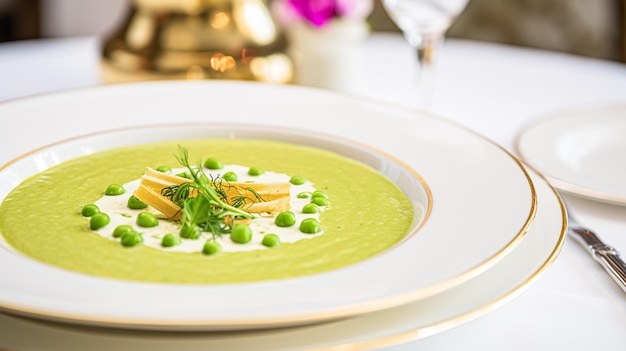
{"x":331,"y":56}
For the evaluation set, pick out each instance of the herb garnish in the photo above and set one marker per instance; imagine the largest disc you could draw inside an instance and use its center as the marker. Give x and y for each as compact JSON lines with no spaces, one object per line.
{"x":206,"y":211}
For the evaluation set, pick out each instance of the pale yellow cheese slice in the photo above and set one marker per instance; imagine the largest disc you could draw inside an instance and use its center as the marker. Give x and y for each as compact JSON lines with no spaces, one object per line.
{"x":275,"y":197}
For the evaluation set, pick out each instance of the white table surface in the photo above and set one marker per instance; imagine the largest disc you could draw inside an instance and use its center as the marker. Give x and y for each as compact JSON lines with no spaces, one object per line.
{"x":492,"y":89}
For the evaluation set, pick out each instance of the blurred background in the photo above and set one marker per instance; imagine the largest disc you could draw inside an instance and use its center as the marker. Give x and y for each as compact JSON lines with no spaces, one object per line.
{"x":594,"y":28}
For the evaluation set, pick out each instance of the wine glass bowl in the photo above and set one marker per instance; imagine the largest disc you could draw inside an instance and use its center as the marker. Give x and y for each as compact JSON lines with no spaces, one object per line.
{"x":424,"y":24}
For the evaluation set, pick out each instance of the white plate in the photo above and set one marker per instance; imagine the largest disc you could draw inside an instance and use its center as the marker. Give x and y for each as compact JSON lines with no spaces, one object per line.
{"x":582,"y":151}
{"x":483,"y":203}
{"x":415,"y":321}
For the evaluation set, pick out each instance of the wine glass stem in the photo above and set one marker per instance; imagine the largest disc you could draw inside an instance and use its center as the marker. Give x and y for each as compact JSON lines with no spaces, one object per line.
{"x":427,"y":51}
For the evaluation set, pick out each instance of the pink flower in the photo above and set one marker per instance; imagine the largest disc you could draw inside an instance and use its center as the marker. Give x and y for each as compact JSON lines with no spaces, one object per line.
{"x":317,"y":12}
{"x":320,"y":12}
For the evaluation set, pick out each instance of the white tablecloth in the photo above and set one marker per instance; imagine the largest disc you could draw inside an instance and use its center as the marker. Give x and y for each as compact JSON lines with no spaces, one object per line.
{"x":491,"y":89}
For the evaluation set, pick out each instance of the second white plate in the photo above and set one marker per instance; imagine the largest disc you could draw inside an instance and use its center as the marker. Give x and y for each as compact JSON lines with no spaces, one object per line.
{"x":415,"y":321}
{"x":580,"y":151}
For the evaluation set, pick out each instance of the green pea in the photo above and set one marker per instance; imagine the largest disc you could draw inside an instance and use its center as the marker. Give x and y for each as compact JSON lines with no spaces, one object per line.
{"x":164,"y":169}
{"x":230,"y":176}
{"x":271,"y":240}
{"x":320,"y":201}
{"x":297,"y":180}
{"x":253,"y":171}
{"x":189,"y":232}
{"x":303,"y":195}
{"x":131,"y":238}
{"x":170,"y":240}
{"x":120,"y":230}
{"x":213,"y":163}
{"x":114,"y":189}
{"x":241,"y":234}
{"x":147,"y":219}
{"x":99,"y":220}
{"x":211,"y":247}
{"x":136,"y":204}
{"x":310,"y":226}
{"x":285,"y":219}
{"x":90,"y":210}
{"x":319,"y":193}
{"x":184,"y":175}
{"x":311,"y":208}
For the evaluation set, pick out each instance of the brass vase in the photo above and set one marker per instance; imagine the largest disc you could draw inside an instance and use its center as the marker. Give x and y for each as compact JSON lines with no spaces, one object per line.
{"x":197,"y":39}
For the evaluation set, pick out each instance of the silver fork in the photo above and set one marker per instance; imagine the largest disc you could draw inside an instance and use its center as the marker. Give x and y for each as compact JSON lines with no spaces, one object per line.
{"x":606,"y":255}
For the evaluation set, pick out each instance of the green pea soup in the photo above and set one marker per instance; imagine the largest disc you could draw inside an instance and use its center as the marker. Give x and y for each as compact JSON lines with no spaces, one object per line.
{"x":41,"y":218}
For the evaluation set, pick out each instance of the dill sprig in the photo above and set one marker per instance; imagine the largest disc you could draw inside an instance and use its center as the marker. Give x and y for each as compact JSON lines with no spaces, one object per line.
{"x":205,"y":211}
{"x":178,"y":193}
{"x":203,"y":185}
{"x":241,"y":200}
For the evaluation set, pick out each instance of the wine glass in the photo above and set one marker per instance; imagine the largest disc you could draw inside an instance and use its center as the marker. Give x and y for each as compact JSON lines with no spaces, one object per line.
{"x":424,"y":24}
